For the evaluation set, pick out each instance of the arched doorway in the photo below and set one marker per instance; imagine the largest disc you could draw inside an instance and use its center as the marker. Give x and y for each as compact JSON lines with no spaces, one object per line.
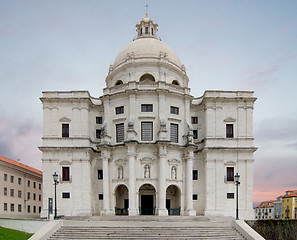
{"x":147,"y":196}
{"x":173,"y":200}
{"x":122,"y":200}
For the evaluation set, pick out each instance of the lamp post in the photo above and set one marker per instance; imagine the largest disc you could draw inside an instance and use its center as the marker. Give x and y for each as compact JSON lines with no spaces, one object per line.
{"x":55,"y":177}
{"x":236,"y":178}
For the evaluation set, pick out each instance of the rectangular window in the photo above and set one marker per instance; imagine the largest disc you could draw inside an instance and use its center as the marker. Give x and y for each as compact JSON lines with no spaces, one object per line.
{"x":230,"y":195}
{"x":39,"y":198}
{"x":19,"y":193}
{"x":39,"y":210}
{"x":147,"y":131}
{"x":195,"y":174}
{"x":230,"y":174}
{"x":5,"y":206}
{"x":65,"y":174}
{"x":65,"y":130}
{"x":146,"y":107}
{"x":34,"y":184}
{"x":194,"y":120}
{"x":34,"y":196}
{"x":195,"y":197}
{"x":195,"y":134}
{"x":11,"y":179}
{"x":99,"y":120}
{"x":100,"y":174}
{"x":12,"y":192}
{"x":146,"y":30}
{"x":119,"y":110}
{"x":34,"y":209}
{"x":19,"y":208}
{"x":100,"y":196}
{"x":174,"y":110}
{"x":19,"y":181}
{"x":28,"y":196}
{"x":29,"y":208}
{"x":5,"y":191}
{"x":12,"y":207}
{"x":29,"y":183}
{"x":120,"y":132}
{"x":39,"y":186}
{"x":65,"y":195}
{"x":98,"y":133}
{"x":5,"y":177}
{"x":229,"y":130}
{"x":174,"y":132}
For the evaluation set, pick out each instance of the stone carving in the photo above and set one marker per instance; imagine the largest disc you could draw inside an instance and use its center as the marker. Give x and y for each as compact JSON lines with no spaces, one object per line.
{"x":173,"y":173}
{"x":120,"y":172}
{"x":147,"y":171}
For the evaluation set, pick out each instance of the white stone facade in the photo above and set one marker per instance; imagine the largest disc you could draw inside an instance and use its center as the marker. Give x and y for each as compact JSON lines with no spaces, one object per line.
{"x":147,"y":146}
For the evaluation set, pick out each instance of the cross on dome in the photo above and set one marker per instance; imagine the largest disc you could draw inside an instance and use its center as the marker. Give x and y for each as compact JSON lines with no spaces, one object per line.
{"x":146,"y":12}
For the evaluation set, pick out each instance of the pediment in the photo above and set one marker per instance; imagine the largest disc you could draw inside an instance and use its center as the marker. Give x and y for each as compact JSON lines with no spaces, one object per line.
{"x":64,"y":119}
{"x":65,"y":162}
{"x":120,"y":162}
{"x":230,"y":119}
{"x":230,"y":163}
{"x":174,"y":161}
{"x":146,"y":160}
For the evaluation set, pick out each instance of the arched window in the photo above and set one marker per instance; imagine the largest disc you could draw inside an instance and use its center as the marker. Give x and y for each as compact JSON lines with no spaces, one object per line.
{"x":119,"y":82}
{"x":146,"y":77}
{"x":175,"y":82}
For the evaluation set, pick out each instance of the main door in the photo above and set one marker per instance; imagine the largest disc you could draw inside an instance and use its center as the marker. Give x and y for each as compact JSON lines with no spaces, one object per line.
{"x":147,"y":204}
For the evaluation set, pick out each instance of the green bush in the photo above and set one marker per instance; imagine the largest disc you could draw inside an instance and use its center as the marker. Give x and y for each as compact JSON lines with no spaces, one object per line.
{"x":9,"y":234}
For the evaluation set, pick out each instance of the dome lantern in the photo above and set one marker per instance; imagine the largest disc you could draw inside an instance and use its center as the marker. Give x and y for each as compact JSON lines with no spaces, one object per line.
{"x":146,"y":28}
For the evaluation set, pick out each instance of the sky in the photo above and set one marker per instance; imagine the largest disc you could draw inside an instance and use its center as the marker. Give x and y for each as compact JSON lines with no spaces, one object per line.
{"x":50,"y":45}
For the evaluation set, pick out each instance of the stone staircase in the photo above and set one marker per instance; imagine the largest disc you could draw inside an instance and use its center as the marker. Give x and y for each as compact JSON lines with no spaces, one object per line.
{"x":154,"y":228}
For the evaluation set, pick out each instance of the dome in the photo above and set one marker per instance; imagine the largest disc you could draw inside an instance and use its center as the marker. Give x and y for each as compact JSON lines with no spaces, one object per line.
{"x":147,"y":47}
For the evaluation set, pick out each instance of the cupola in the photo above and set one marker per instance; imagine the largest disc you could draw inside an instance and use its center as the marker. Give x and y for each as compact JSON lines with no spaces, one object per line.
{"x":146,"y":28}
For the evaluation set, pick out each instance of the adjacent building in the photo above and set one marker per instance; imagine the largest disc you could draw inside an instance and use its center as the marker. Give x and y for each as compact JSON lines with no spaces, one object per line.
{"x":21,"y":189}
{"x":289,"y":205}
{"x":265,"y":210}
{"x":147,"y":146}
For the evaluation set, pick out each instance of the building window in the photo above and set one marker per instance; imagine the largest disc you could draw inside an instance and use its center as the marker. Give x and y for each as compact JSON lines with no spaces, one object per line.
{"x":120,"y":132}
{"x":65,"y":130}
{"x":119,"y":110}
{"x":174,"y":132}
{"x":5,"y":206}
{"x":34,"y":209}
{"x":65,"y":174}
{"x":19,"y":181}
{"x":194,"y":120}
{"x":195,"y":134}
{"x":39,"y":210}
{"x":195,"y":174}
{"x":19,"y":193}
{"x":230,"y":174}
{"x":12,"y":192}
{"x":230,"y":195}
{"x":100,"y":196}
{"x":34,"y":196}
{"x":34,"y":184}
{"x":195,"y":196}
{"x":99,"y":120}
{"x":146,"y":30}
{"x":39,"y":198}
{"x":98,"y":133}
{"x":11,"y":179}
{"x":29,"y":208}
{"x":100,"y":174}
{"x":39,"y":186}
{"x":12,"y":207}
{"x":29,"y":183}
{"x":5,"y":191}
{"x":29,"y":196}
{"x":146,"y":107}
{"x":147,"y":131}
{"x":174,"y":110}
{"x":65,"y":195}
{"x":19,"y":208}
{"x":229,"y":130}
{"x":5,"y":177}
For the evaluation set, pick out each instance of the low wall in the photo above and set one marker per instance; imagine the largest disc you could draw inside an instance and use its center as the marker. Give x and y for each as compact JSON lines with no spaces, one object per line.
{"x":24,"y":225}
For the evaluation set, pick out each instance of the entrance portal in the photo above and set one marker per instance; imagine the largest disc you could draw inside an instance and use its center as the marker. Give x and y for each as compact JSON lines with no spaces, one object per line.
{"x":173,"y":200}
{"x":122,"y":200}
{"x":147,"y":196}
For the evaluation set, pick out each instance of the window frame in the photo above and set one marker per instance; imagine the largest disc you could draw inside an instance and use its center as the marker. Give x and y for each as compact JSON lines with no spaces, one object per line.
{"x":65,"y":174}
{"x":119,"y":110}
{"x":65,"y":195}
{"x":195,"y":174}
{"x":195,"y":134}
{"x":230,"y":195}
{"x":194,"y":120}
{"x":98,"y":133}
{"x":195,"y":197}
{"x":229,"y":130}
{"x":120,"y":132}
{"x":147,"y":130}
{"x":100,"y":174}
{"x":230,"y":174}
{"x":100,"y":196}
{"x":174,"y":132}
{"x":147,"y":108}
{"x":174,"y":110}
{"x":65,"y":130}
{"x":98,"y":120}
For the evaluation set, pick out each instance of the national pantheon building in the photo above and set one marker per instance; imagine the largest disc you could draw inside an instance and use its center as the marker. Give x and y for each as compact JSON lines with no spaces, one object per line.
{"x":147,"y":146}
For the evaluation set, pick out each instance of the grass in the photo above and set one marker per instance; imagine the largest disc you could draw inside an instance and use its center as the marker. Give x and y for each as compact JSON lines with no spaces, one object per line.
{"x":10,"y":234}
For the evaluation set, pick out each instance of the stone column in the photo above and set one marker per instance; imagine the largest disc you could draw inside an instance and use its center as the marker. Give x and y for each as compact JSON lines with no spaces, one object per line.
{"x":105,"y":155}
{"x":133,"y":210}
{"x":162,"y":211}
{"x":189,"y":183}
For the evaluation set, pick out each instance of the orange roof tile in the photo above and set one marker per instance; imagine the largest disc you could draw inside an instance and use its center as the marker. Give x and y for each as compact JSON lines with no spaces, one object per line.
{"x":24,"y":166}
{"x":266,"y":204}
{"x":290,"y":193}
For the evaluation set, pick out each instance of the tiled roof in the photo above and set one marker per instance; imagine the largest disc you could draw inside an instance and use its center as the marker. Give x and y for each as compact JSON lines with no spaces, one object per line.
{"x":21,"y":165}
{"x":266,"y":204}
{"x":290,"y":193}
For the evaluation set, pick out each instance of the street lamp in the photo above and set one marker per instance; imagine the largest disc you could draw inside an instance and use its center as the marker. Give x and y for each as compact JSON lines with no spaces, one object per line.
{"x":236,"y":178}
{"x":55,"y":177}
